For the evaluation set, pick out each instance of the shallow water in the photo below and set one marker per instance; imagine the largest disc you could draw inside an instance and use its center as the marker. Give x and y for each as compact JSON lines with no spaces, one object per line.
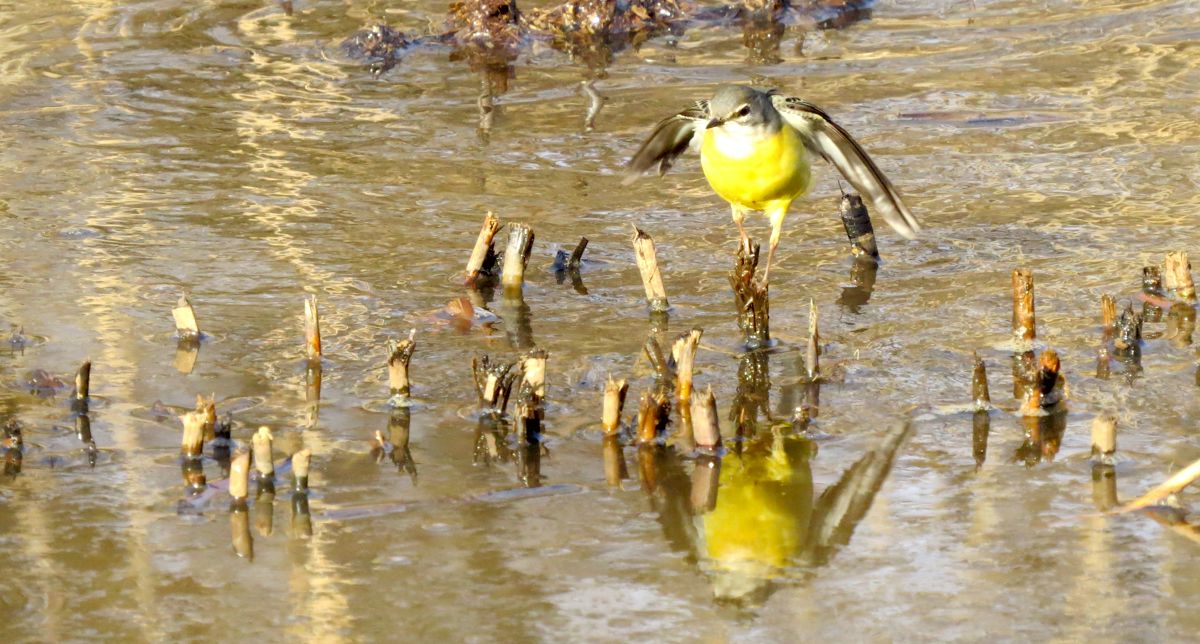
{"x":231,"y":150}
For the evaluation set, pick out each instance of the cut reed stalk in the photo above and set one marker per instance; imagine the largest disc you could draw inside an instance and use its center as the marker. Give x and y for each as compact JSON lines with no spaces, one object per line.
{"x":400,"y":353}
{"x":647,"y":262}
{"x":193,"y":434}
{"x":857,"y":222}
{"x":239,"y":476}
{"x":1104,"y":437}
{"x":979,"y":385}
{"x":300,"y":464}
{"x":684,"y":354}
{"x":185,"y":319}
{"x":614,"y":402}
{"x":484,"y":249}
{"x":1024,"y":325}
{"x":516,"y":255}
{"x":1177,"y":277}
{"x":312,"y":328}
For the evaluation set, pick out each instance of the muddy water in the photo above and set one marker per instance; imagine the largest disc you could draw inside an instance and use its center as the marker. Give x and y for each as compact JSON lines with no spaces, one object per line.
{"x":229,"y":150}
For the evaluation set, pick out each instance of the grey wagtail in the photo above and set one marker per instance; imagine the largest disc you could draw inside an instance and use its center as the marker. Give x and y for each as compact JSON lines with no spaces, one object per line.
{"x":755,"y":147}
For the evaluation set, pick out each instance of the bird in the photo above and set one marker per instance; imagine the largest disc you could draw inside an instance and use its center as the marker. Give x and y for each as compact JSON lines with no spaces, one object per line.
{"x":755,"y":149}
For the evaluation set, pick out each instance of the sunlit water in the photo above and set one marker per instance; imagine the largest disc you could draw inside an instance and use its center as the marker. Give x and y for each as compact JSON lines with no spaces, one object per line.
{"x":232,"y":151}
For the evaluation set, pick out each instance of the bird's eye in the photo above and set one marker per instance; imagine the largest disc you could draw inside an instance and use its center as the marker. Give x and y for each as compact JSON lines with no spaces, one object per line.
{"x":743,"y":111}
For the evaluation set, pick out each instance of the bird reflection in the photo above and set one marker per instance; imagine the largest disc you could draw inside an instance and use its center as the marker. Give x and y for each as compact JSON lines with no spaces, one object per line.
{"x":750,"y":519}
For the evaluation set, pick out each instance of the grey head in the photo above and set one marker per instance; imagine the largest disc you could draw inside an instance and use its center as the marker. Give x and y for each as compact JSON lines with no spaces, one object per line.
{"x":742,"y":105}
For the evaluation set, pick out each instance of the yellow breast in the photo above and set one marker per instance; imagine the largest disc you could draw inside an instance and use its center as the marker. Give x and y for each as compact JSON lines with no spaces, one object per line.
{"x":768,"y":173}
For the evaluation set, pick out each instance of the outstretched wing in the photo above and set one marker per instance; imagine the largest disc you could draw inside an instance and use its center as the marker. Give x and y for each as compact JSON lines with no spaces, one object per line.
{"x":671,"y":138}
{"x":828,"y":139}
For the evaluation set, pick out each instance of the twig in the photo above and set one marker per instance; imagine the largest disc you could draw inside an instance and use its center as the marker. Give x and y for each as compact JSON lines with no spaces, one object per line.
{"x":1173,"y":485}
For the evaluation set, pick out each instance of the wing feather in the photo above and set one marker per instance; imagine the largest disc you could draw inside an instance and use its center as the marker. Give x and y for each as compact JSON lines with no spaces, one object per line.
{"x":672,"y":137}
{"x":834,"y":144}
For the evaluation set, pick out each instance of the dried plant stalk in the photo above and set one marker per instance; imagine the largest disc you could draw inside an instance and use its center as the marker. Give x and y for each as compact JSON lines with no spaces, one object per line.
{"x":516,"y":255}
{"x":614,"y":402}
{"x":812,"y":354}
{"x":207,"y":407}
{"x":1024,"y":325}
{"x":83,"y":381}
{"x":262,"y":452}
{"x":1108,"y":312}
{"x":750,"y":296}
{"x":239,"y":475}
{"x":400,"y":353}
{"x":577,"y":255}
{"x":533,"y":373}
{"x":1104,"y":436}
{"x":193,"y":434}
{"x":684,"y":354}
{"x":483,"y":247}
{"x":979,"y":385}
{"x":1177,"y":277}
{"x":649,"y":409}
{"x":312,"y":327}
{"x":300,"y":464}
{"x":185,"y":319}
{"x":857,"y":222}
{"x":647,"y":261}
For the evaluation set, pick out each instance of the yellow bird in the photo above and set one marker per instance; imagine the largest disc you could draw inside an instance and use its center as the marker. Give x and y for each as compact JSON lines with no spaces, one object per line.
{"x":755,"y":147}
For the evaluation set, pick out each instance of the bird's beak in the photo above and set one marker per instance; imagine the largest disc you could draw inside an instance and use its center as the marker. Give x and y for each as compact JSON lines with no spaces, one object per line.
{"x":714,"y":123}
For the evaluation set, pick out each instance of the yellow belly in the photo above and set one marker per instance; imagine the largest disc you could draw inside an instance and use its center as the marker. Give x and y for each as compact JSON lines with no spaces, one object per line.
{"x":769,"y":176}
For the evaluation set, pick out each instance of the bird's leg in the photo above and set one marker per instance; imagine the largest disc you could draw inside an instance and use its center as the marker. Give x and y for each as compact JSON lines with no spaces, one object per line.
{"x":739,"y":216}
{"x":776,"y":231}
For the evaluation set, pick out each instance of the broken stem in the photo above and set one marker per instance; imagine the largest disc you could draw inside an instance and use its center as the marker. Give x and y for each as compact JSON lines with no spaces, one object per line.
{"x":1177,"y":277}
{"x":239,"y":476}
{"x":1023,"y":322}
{"x":300,"y":463}
{"x":614,"y":402}
{"x":398,"y":360}
{"x":516,"y":255}
{"x":647,"y":262}
{"x":312,"y":327}
{"x":185,"y":319}
{"x":979,"y":385}
{"x":684,"y":354}
{"x":484,"y":248}
{"x":857,"y":222}
{"x":1104,"y":438}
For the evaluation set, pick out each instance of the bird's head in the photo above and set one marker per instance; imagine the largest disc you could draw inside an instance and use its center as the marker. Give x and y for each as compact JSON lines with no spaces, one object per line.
{"x":740,"y":105}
